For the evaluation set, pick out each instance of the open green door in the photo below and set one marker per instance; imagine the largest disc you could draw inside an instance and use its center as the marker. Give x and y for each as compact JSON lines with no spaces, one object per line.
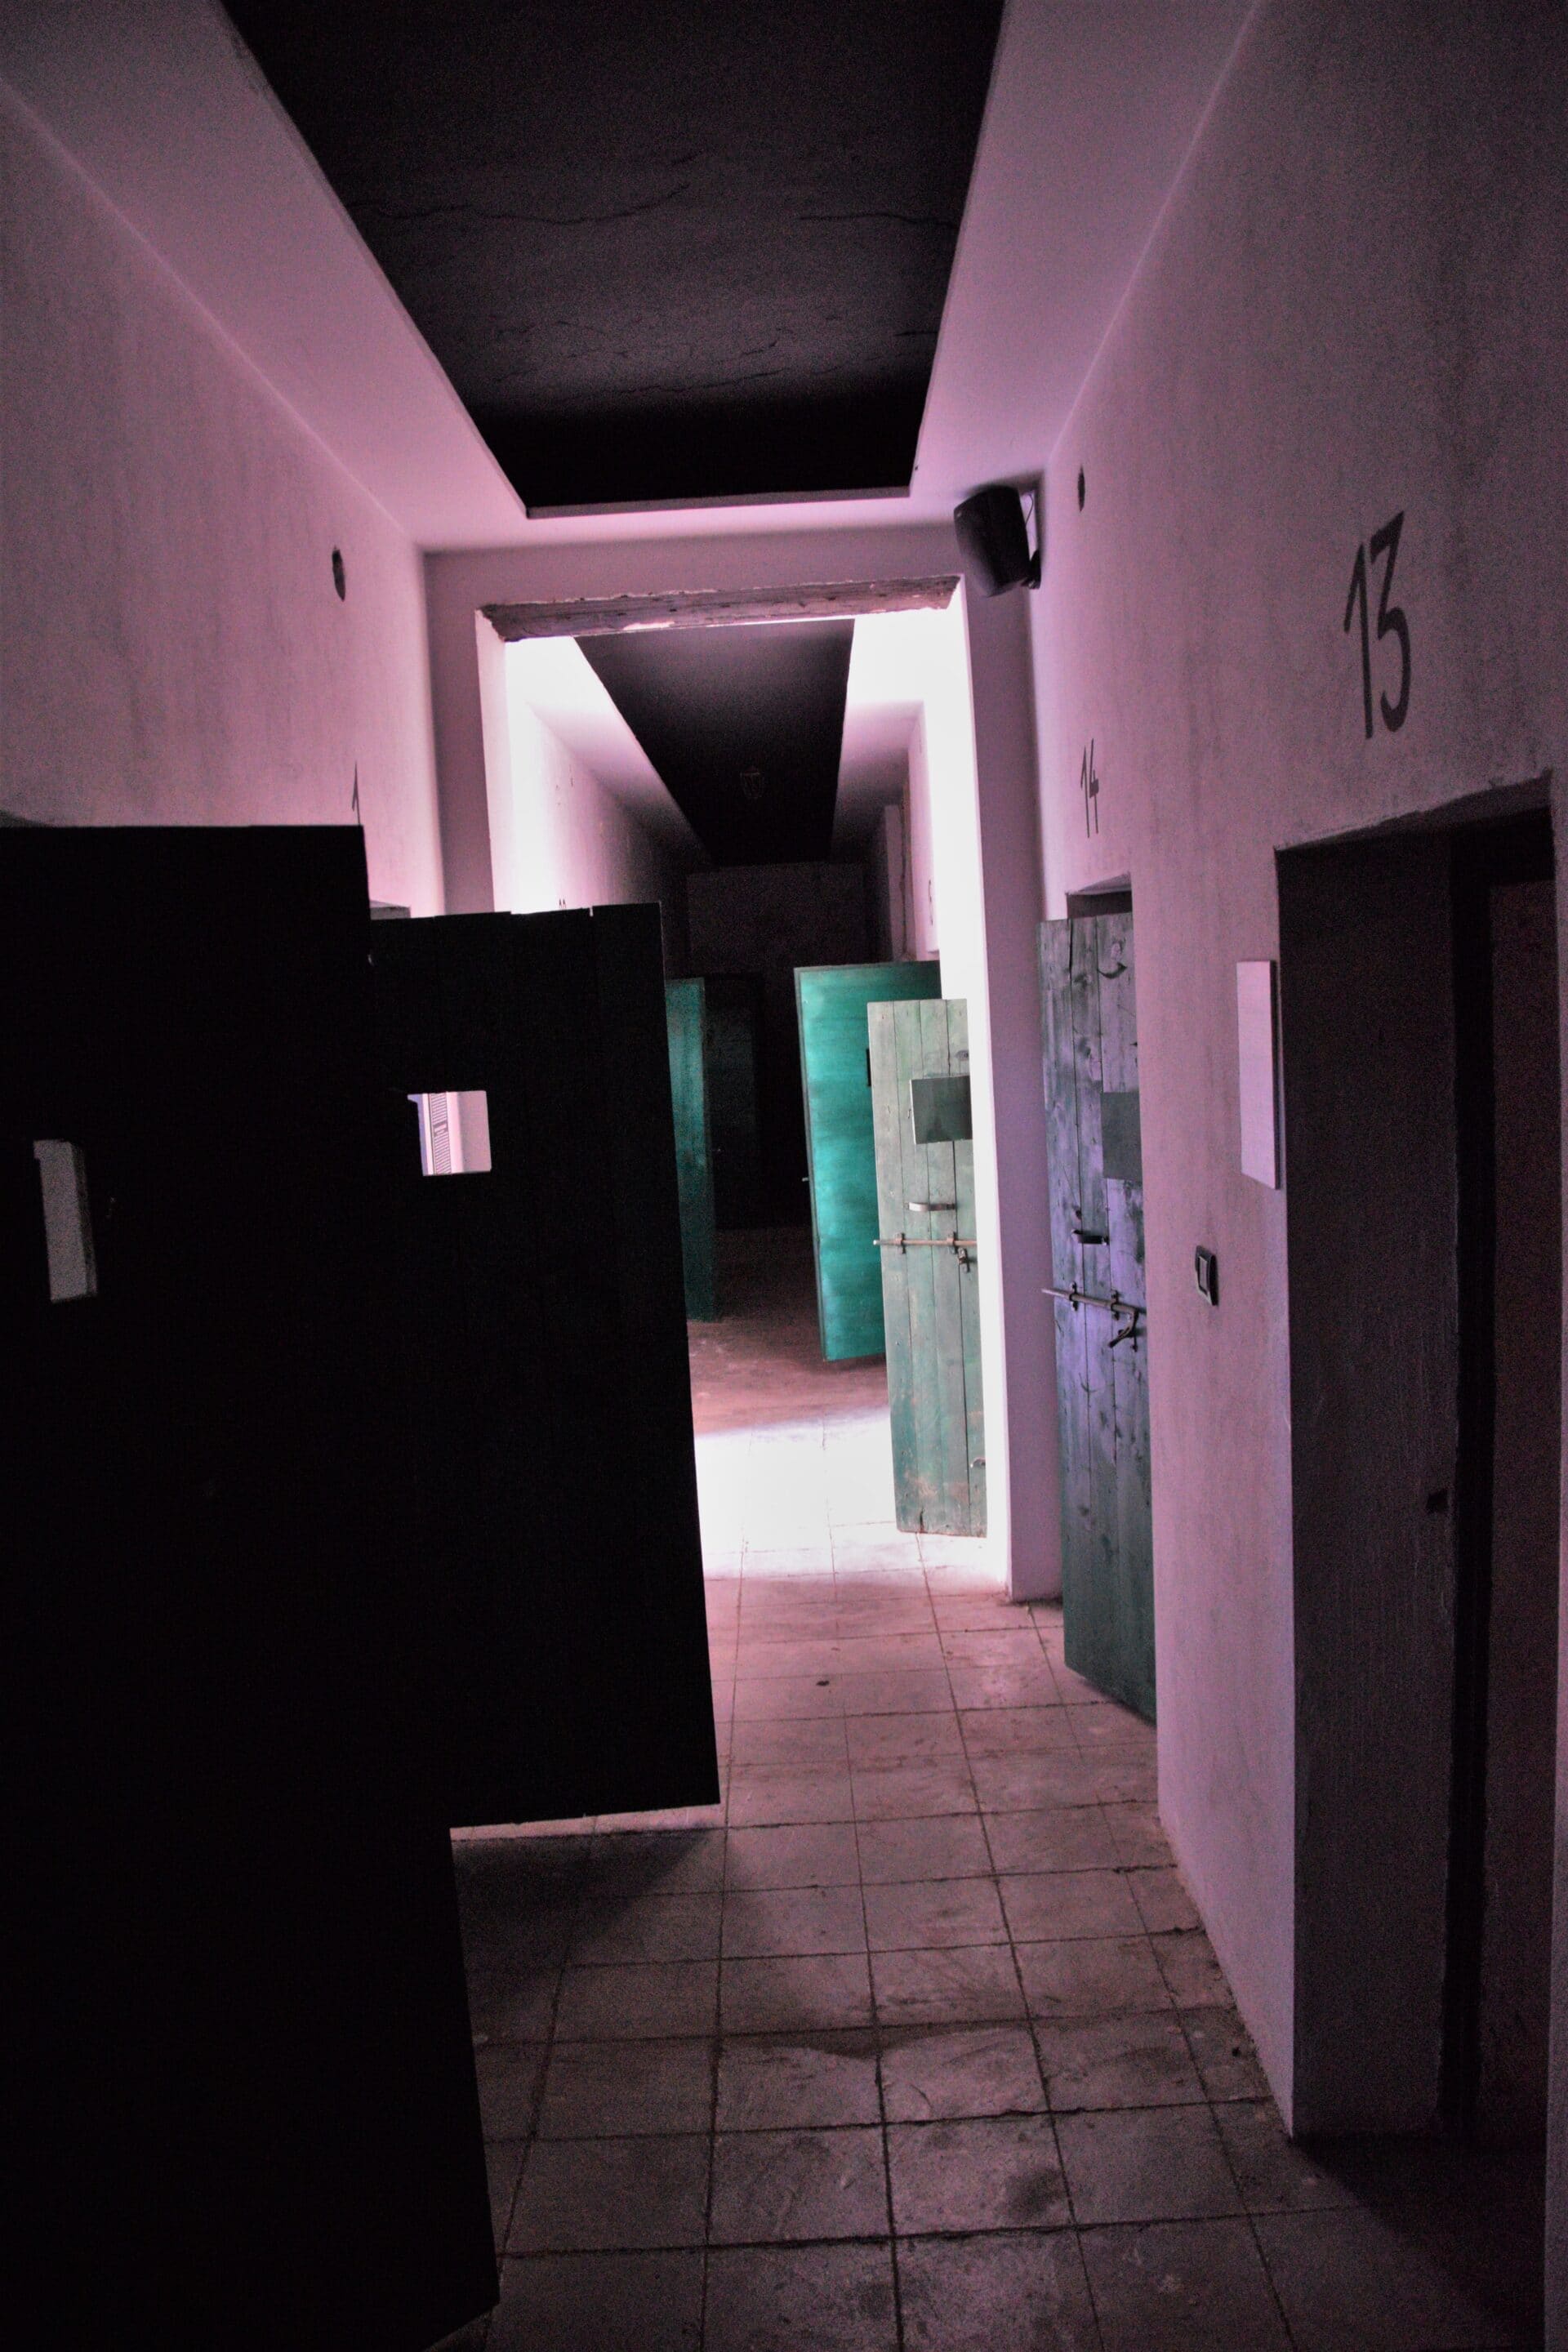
{"x":840,"y":1145}
{"x":931,"y":1298}
{"x":1101,"y":1303}
{"x":686,"y":1019}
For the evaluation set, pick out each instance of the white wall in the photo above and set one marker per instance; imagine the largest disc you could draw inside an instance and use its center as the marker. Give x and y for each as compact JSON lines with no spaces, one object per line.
{"x":1354,"y":306}
{"x":171,"y":647}
{"x":559,"y":837}
{"x":923,"y":924}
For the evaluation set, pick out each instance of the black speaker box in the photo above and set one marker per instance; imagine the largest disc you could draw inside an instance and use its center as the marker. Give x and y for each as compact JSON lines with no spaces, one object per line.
{"x":994,"y":541}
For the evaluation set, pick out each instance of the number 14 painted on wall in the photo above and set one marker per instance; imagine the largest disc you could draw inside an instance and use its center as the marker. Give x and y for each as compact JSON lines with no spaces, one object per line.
{"x":1391,"y":623}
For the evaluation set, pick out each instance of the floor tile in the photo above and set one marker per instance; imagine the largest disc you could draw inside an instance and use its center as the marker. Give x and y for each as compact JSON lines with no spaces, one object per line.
{"x":936,"y":2073}
{"x":1014,"y":1646}
{"x":996,"y":2294}
{"x":801,"y":2299}
{"x":1189,"y":1967}
{"x":508,"y":2076}
{"x":772,"y":2185}
{"x":1060,"y":1903}
{"x":991,"y":2117}
{"x":918,"y":1692}
{"x":812,"y":1853}
{"x":999,"y":2172}
{"x":612,"y":2089}
{"x":761,"y":1696}
{"x":764,"y":1798}
{"x":1137,"y":1835}
{"x":1122,"y":1779}
{"x":1133,"y":2059}
{"x":791,"y":1920}
{"x":638,"y":2002}
{"x":580,"y":2193}
{"x":1163,"y":1903}
{"x":503,"y":2170}
{"x":787,"y":2082}
{"x":507,"y":2007}
{"x":1181,"y":2287}
{"x":1015,"y":1730}
{"x":949,"y":1845}
{"x":599,"y":2302}
{"x":1274,"y":2174}
{"x":927,"y":1915}
{"x":1067,"y":1837}
{"x":1025,"y":1683}
{"x":1106,"y":1729}
{"x":1146,"y":2164}
{"x":1028,"y":1784}
{"x":656,"y":1862}
{"x":966,"y":1987}
{"x":912,"y":1791}
{"x":814,"y":1741}
{"x":774,"y":1996}
{"x":883,"y":1740}
{"x":1362,"y":2282}
{"x":1091,"y":1976}
{"x":648,"y":1928}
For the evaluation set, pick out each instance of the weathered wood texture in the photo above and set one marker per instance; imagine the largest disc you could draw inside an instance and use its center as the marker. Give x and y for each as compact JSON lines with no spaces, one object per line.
{"x":685,"y":1019}
{"x":548,"y":1299}
{"x":836,"y":1074}
{"x":245,"y":2056}
{"x":703,"y":608}
{"x":1089,"y":1016}
{"x":931,"y":1302}
{"x":1367,"y":1036}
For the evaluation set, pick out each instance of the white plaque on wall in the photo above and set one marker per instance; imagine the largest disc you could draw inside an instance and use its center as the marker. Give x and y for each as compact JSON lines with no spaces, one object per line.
{"x":1258,"y":1031}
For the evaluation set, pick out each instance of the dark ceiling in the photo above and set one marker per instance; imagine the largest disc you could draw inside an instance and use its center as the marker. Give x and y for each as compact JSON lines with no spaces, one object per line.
{"x":744,"y":725}
{"x":665,"y":249}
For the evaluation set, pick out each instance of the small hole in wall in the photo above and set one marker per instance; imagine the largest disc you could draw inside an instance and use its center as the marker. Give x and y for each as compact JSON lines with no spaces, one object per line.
{"x":341,"y":578}
{"x":1081,"y":489}
{"x":454,"y":1132}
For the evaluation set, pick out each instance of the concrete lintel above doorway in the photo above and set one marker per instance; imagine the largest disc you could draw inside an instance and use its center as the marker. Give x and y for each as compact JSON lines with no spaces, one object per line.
{"x":698,"y":608}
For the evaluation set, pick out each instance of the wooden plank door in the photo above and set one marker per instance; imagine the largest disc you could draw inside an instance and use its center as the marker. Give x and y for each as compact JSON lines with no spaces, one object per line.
{"x":840,"y":1143}
{"x":930,"y":1304}
{"x":686,"y":1018}
{"x":545,"y":1303}
{"x":242,"y":1981}
{"x":1088,"y":1001}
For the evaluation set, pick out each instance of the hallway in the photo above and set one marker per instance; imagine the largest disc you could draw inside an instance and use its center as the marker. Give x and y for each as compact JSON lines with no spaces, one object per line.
{"x":916,"y":2041}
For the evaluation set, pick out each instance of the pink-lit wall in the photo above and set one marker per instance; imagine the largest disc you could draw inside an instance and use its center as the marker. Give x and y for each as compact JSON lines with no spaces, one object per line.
{"x":568,"y":841}
{"x":1354,"y":307}
{"x":173,"y":649}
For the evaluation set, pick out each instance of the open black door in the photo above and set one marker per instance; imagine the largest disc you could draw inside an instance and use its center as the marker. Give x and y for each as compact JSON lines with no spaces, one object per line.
{"x":543,"y":1308}
{"x":248,"y":2115}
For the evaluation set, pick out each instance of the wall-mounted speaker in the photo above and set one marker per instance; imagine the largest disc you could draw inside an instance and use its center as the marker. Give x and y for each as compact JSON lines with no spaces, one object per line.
{"x":993,"y":539}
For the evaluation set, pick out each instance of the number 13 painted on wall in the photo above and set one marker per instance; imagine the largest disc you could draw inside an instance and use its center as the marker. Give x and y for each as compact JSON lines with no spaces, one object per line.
{"x":1391,"y":623}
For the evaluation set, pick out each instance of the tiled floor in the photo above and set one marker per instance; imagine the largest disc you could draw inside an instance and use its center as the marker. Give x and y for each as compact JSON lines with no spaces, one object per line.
{"x":916,"y":2041}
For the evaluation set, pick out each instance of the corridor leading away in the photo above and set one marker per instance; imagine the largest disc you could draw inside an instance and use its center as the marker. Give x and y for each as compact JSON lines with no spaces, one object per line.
{"x":916,"y":2040}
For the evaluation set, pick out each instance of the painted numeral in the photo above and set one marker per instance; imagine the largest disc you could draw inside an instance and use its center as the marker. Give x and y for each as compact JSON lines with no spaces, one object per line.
{"x":1391,"y":623}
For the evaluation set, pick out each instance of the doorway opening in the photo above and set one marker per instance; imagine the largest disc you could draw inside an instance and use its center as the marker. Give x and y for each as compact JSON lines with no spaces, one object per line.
{"x":788,"y":776}
{"x":1419,"y":1018}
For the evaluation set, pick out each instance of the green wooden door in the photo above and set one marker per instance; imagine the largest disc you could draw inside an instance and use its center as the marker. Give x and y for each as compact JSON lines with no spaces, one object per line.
{"x":1087,"y":986}
{"x":686,"y":1020}
{"x":930,"y":1300}
{"x":840,"y":1149}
